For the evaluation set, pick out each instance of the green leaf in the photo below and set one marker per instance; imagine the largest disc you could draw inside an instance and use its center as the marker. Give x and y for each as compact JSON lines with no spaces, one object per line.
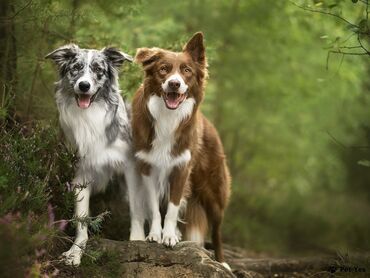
{"x":365,"y":163}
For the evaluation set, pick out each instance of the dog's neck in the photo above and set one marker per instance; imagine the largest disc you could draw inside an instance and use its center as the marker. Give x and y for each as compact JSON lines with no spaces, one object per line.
{"x":180,"y":124}
{"x":86,"y":128}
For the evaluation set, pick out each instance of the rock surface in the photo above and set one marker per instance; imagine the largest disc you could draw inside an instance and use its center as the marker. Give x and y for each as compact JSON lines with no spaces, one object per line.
{"x":186,"y":259}
{"x":143,"y":259}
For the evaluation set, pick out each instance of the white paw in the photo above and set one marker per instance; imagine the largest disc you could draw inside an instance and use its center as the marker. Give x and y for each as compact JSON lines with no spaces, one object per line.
{"x":170,"y":240}
{"x":226,"y":265}
{"x":178,"y":233}
{"x":137,"y":235}
{"x":137,"y":229}
{"x":154,"y":237}
{"x":72,"y":256}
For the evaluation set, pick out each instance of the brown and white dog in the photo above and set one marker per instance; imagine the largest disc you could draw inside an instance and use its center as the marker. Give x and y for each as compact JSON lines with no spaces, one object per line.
{"x":180,"y":155}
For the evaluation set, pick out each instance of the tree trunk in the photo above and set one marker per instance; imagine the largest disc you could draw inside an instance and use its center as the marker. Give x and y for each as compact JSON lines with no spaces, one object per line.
{"x":8,"y":58}
{"x":36,"y":71}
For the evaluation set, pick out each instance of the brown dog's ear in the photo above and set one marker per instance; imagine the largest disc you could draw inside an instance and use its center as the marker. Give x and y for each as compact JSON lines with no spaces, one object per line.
{"x":146,"y":56}
{"x":116,"y":57}
{"x":195,"y":47}
{"x":63,"y":54}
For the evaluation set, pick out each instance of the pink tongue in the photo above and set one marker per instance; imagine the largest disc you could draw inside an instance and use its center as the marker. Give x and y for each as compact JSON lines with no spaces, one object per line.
{"x":173,"y":100}
{"x":173,"y":103}
{"x":84,"y":101}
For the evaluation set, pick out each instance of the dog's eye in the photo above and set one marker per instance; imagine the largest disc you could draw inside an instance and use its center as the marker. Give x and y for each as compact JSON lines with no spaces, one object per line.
{"x":77,"y":67}
{"x":163,"y":70}
{"x":98,"y":70}
{"x":187,"y":70}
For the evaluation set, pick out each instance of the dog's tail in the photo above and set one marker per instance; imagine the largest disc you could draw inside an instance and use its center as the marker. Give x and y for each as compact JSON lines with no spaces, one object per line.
{"x":196,"y":221}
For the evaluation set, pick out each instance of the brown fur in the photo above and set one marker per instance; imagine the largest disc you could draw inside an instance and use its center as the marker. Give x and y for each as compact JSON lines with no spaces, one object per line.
{"x":205,"y":180}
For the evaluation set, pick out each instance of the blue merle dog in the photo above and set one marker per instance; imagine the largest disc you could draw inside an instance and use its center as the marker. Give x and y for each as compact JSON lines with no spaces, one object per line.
{"x":95,"y":120}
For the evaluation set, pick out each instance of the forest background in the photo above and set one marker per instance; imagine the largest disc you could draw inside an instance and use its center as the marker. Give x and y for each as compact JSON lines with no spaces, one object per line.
{"x":291,"y":107}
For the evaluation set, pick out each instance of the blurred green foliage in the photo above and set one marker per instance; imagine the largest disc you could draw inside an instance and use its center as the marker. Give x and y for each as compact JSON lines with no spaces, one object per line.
{"x":294,"y":124}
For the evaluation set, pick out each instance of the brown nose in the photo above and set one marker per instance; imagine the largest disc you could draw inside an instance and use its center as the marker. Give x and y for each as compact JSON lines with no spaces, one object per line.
{"x":174,"y":84}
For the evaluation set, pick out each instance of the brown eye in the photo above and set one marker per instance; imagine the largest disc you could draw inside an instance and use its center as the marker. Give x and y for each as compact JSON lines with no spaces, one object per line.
{"x":98,"y":70}
{"x":163,"y":70}
{"x":77,"y":67}
{"x":187,"y":70}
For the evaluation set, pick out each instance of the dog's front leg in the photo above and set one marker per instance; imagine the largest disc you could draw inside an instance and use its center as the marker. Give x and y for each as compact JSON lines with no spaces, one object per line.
{"x":178,"y":179}
{"x":135,"y":194}
{"x":82,"y":195}
{"x":150,"y":181}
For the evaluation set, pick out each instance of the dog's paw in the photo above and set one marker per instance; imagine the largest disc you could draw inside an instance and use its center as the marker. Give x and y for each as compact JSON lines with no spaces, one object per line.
{"x":137,"y":235}
{"x":178,"y":233}
{"x":72,"y":256}
{"x":153,"y":237}
{"x":170,"y":240}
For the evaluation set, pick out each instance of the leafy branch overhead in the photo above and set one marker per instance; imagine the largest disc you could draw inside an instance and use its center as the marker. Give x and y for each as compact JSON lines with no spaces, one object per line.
{"x":357,"y":40}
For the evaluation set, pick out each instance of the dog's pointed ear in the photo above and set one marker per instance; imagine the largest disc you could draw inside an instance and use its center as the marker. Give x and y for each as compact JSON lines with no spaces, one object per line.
{"x":195,"y":47}
{"x":116,"y":57}
{"x":146,"y":56}
{"x":63,"y":54}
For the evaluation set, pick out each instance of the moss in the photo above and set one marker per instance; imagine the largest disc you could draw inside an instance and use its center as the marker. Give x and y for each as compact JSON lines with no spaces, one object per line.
{"x":94,"y":263}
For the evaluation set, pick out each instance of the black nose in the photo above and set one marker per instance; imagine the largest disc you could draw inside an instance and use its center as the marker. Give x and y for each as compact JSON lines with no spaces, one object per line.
{"x":84,"y":86}
{"x":174,"y":84}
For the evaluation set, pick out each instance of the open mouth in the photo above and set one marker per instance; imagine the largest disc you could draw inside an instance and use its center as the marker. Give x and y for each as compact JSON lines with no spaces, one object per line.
{"x":173,"y":99}
{"x":84,"y":100}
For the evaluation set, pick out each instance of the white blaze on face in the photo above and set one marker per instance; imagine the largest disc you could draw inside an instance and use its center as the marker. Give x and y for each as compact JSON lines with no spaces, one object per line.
{"x":183,"y":87}
{"x":173,"y":98}
{"x":84,"y":97}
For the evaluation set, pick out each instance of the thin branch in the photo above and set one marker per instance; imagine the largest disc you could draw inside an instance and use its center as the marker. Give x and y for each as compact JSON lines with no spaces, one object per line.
{"x":340,"y":64}
{"x":350,"y":47}
{"x":348,"y":53}
{"x":342,"y":53}
{"x":361,"y":45}
{"x":324,"y":12}
{"x":342,"y":47}
{"x":358,"y":32}
{"x":349,"y":37}
{"x":20,"y":10}
{"x":344,"y":146}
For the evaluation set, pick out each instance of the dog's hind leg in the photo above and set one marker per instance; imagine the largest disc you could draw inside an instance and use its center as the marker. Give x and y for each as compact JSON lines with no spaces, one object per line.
{"x":82,"y":195}
{"x":216,"y":221}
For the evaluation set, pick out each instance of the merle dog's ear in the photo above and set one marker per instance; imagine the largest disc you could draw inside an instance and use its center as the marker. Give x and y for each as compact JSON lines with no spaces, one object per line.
{"x":116,"y":57}
{"x":195,"y":47}
{"x":146,"y":56}
{"x":63,"y":54}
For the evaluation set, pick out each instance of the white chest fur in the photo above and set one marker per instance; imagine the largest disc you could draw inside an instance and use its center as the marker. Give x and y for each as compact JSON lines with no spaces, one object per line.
{"x":166,"y":123}
{"x":85,"y":129}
